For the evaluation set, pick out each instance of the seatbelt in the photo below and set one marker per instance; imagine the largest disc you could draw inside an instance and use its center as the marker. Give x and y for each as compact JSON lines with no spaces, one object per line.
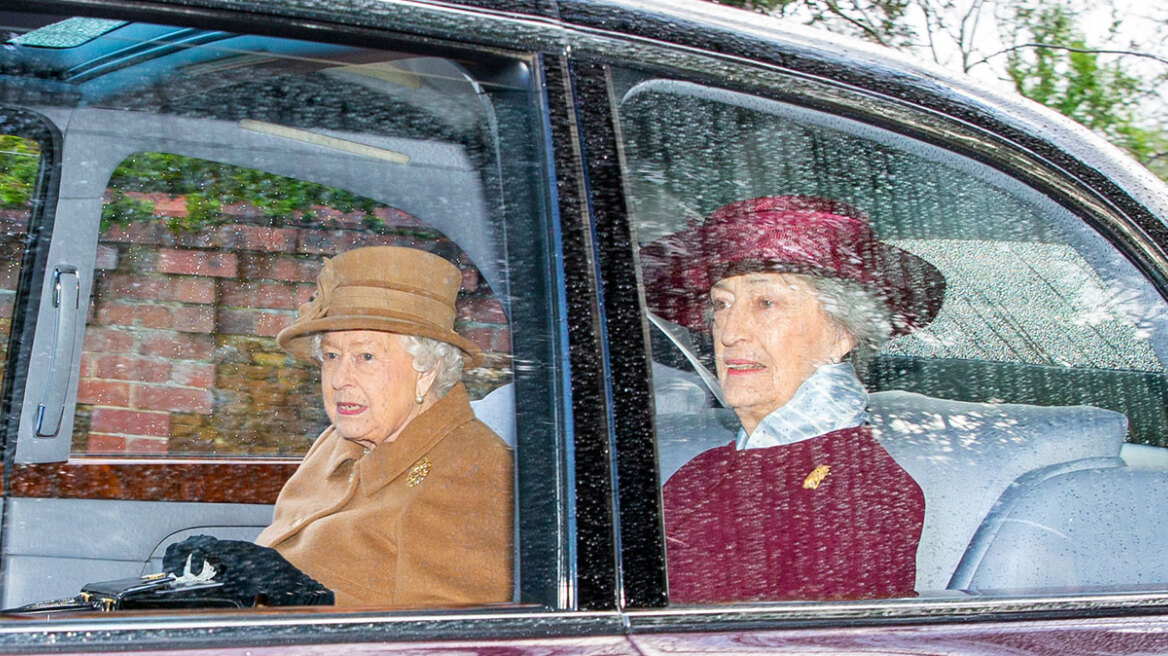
{"x":680,"y":338}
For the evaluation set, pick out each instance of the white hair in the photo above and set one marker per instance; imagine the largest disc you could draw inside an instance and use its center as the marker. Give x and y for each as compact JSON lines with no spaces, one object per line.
{"x":435,"y":355}
{"x":426,"y":354}
{"x":855,"y":309}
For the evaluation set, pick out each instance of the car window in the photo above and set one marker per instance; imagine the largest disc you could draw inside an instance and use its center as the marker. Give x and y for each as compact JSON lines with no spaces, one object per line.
{"x":19,"y":166}
{"x":1021,"y":389}
{"x":199,"y":266}
{"x":211,"y":184}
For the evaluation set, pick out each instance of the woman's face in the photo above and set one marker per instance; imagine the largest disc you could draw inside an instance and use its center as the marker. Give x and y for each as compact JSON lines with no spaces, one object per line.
{"x":770,"y":334}
{"x":369,"y":385}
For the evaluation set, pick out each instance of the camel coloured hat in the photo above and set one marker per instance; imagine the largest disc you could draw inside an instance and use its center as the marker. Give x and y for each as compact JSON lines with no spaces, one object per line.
{"x":387,"y":288}
{"x":786,"y":234}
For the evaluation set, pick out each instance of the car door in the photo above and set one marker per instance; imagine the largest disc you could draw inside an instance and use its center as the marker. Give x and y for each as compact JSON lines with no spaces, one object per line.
{"x":1029,"y":411}
{"x":190,"y":182}
{"x":224,"y":149}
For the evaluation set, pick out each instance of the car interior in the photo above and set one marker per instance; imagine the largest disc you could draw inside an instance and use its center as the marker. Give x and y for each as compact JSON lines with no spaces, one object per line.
{"x":1030,"y":411}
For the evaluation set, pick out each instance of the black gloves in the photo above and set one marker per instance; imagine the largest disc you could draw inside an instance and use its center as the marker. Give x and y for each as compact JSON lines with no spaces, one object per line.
{"x":257,"y":575}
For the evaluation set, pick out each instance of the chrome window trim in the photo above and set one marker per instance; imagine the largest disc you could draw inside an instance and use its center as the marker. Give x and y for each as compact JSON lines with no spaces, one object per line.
{"x":793,"y":615}
{"x":277,"y":627}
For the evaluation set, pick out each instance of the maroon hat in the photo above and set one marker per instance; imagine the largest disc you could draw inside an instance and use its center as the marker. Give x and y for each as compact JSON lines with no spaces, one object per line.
{"x":786,"y":234}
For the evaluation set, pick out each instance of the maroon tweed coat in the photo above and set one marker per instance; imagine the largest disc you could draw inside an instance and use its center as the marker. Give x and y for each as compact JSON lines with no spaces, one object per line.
{"x":832,"y":517}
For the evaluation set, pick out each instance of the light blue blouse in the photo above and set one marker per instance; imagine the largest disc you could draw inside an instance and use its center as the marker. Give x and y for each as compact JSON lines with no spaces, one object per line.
{"x":830,"y":399}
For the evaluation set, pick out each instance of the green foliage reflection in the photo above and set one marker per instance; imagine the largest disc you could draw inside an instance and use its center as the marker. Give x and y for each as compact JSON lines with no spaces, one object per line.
{"x":19,"y":160}
{"x":208,"y":186}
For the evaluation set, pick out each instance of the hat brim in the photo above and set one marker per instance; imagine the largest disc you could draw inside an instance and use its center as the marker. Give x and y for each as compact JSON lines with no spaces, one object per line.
{"x":295,"y":339}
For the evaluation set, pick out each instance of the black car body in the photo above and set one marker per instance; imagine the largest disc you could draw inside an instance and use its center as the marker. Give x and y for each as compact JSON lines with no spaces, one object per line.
{"x":185,"y":165}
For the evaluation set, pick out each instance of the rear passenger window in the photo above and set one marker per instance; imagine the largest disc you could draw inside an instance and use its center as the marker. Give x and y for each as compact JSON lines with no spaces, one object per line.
{"x":999,"y":354}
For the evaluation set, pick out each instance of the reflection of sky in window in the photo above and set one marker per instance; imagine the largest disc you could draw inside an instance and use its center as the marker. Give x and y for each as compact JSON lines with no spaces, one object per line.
{"x":68,"y":33}
{"x":1026,"y":302}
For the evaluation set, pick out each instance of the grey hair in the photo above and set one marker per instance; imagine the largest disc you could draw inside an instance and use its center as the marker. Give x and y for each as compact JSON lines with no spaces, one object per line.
{"x":431,"y":354}
{"x":426,"y":354}
{"x":857,"y":310}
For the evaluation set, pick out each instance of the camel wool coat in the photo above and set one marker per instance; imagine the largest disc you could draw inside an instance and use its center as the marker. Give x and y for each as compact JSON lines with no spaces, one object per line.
{"x":423,"y":521}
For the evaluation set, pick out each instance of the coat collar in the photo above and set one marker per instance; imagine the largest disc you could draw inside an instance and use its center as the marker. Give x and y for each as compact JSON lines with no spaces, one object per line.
{"x":830,"y":399}
{"x":383,"y":464}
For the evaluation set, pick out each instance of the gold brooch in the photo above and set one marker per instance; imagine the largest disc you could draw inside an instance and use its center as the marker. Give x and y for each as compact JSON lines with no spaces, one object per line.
{"x":418,"y":472}
{"x":816,"y":477}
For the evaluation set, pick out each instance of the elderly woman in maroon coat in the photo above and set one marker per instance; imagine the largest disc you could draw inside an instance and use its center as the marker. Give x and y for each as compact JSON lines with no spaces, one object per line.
{"x":805,"y":504}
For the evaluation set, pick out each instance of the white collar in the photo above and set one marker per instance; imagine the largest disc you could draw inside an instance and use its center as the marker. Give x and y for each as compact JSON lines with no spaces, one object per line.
{"x":830,"y":399}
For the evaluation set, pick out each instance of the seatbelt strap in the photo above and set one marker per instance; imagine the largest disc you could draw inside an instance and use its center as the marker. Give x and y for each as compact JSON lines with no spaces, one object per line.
{"x":680,"y":338}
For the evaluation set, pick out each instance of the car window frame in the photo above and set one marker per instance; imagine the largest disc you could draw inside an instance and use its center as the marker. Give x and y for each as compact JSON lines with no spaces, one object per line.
{"x":1128,"y":227}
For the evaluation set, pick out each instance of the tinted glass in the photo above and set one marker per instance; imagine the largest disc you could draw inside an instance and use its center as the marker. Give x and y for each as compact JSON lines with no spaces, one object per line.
{"x":208,"y":180}
{"x":1029,"y":410}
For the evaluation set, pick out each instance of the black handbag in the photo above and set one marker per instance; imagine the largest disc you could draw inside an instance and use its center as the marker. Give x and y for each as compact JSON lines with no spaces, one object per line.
{"x":231,"y":574}
{"x":154,"y":591}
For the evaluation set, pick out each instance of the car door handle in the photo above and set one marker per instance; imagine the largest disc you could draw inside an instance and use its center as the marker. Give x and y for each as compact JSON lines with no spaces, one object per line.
{"x":67,"y":301}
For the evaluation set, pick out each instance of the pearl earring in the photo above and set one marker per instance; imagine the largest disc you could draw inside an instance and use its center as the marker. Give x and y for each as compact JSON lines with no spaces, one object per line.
{"x":418,"y":399}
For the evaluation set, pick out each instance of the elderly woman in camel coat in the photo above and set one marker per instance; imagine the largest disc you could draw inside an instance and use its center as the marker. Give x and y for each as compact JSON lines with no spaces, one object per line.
{"x":406,"y":499}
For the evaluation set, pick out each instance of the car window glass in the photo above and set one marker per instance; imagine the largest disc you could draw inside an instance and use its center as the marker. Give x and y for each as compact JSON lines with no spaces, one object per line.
{"x":19,"y":162}
{"x":1039,"y":382}
{"x":199,"y":266}
{"x":205,"y":177}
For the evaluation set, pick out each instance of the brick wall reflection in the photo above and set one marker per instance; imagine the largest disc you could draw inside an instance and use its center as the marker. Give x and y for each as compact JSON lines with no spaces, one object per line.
{"x":179,"y":356}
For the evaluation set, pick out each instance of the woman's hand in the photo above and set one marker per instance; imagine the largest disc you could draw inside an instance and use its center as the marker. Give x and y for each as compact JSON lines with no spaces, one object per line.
{"x":255,"y":574}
